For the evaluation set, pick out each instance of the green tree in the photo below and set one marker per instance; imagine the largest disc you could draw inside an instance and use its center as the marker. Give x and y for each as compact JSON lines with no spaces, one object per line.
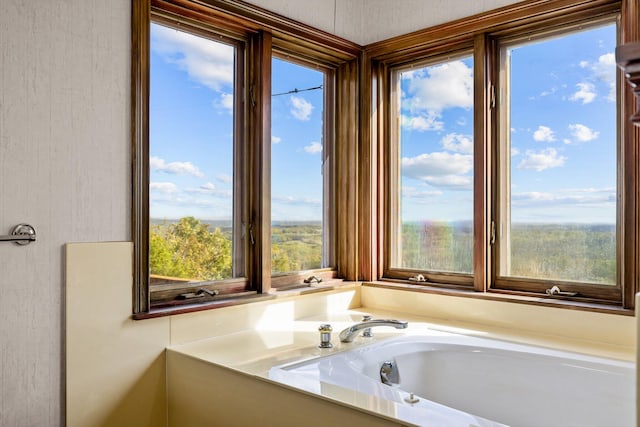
{"x":189,"y":249}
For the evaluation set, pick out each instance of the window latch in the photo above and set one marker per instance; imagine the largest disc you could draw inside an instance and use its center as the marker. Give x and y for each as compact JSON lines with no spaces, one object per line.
{"x":492,"y":237}
{"x":200,"y":293}
{"x":418,"y":278}
{"x":555,"y":291}
{"x":492,"y":97}
{"x":313,"y":279}
{"x":252,"y":238}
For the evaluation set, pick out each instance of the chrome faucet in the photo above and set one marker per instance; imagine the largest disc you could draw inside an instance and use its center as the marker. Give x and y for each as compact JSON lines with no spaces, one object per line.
{"x":350,"y":333}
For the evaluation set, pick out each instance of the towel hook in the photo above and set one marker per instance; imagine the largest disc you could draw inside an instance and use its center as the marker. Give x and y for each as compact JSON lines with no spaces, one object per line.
{"x":22,"y":234}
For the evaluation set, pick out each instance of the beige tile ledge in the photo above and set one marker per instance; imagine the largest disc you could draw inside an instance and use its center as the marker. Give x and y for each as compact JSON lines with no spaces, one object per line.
{"x":256,"y":351}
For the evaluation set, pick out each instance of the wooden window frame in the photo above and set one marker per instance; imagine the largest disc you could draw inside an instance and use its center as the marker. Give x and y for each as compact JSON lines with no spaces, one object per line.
{"x":392,"y":189}
{"x":588,"y":292}
{"x":288,"y":280}
{"x":481,"y":32}
{"x":262,"y":33}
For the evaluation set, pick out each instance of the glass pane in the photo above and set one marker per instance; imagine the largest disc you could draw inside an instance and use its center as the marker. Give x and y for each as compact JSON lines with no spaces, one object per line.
{"x":296,"y":167}
{"x":435,"y":105}
{"x":191,"y":157}
{"x":560,"y":209}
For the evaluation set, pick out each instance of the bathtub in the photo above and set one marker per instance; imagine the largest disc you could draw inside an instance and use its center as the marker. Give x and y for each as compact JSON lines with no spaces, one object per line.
{"x":456,"y":380}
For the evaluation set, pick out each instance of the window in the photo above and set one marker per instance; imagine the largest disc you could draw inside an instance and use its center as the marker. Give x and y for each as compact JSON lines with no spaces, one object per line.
{"x":298,"y":179}
{"x":233,"y":187}
{"x":506,"y":160}
{"x":557,"y":217}
{"x":191,"y":147}
{"x":434,"y":105}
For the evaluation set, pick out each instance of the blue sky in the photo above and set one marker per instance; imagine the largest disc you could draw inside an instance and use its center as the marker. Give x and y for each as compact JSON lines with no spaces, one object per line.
{"x":563,"y":157}
{"x":563,"y":133}
{"x":191,"y":131}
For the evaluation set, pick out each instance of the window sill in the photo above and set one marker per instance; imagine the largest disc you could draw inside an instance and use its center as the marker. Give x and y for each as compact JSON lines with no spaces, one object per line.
{"x":247,"y":298}
{"x":607,"y":308}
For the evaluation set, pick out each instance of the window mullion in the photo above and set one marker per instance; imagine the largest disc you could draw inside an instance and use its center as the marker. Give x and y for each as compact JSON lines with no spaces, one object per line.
{"x":258,"y":225}
{"x":482,"y":138}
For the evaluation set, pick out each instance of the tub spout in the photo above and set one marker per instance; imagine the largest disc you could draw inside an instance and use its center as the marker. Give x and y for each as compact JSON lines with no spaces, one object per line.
{"x":350,"y":333}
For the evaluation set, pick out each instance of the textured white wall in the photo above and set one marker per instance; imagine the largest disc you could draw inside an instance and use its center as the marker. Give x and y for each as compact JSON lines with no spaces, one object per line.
{"x":64,"y":168}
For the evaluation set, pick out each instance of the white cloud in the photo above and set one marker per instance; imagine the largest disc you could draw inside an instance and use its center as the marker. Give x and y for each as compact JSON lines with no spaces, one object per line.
{"x":543,"y":134}
{"x":414,"y":193}
{"x":226,"y":101}
{"x":458,"y":143}
{"x":174,"y":168}
{"x":440,"y":169}
{"x":275,"y":139}
{"x":163,"y":187}
{"x":514,"y":151}
{"x":551,"y":91}
{"x":460,"y":182}
{"x":300,"y":108}
{"x":207,"y":62}
{"x":313,"y":148}
{"x":539,"y":161}
{"x":439,"y":87}
{"x":223,"y":177}
{"x":575,"y":197}
{"x":605,"y":71}
{"x":586,"y":93}
{"x":438,"y":163}
{"x":296,"y":201}
{"x":582,"y":133}
{"x":210,"y":189}
{"x":602,"y":70}
{"x":422,"y":123}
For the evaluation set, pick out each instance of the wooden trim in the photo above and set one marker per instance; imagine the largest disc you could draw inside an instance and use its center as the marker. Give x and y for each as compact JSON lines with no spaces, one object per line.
{"x":330,"y":210}
{"x":165,"y":294}
{"x":501,"y":281}
{"x":512,"y":297}
{"x":630,"y":274}
{"x":346,"y":151}
{"x":245,"y":298}
{"x":483,"y":84}
{"x":296,"y":278}
{"x":518,"y":15}
{"x":240,"y":245}
{"x":611,"y":293}
{"x":379,"y":128}
{"x":367,"y":174}
{"x":259,"y":168}
{"x":140,"y":21}
{"x":244,"y":16}
{"x":391,"y":160}
{"x":388,"y":136}
{"x":329,"y":172}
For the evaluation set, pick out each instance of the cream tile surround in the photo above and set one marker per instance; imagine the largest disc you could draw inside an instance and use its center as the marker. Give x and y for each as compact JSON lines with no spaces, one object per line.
{"x":115,"y":367}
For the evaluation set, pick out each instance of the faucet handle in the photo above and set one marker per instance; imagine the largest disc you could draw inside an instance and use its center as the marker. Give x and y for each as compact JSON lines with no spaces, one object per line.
{"x":367,"y":331}
{"x":325,"y":335}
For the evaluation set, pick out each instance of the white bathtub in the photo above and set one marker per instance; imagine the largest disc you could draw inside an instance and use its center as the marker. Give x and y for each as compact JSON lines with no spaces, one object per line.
{"x":468,"y":381}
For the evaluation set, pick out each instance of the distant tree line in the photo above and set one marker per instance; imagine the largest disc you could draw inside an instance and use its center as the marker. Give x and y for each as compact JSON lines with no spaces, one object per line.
{"x":192,"y":249}
{"x":546,"y":251}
